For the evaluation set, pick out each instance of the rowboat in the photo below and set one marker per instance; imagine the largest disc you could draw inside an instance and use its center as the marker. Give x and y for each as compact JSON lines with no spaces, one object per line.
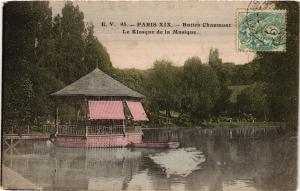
{"x":167,"y":145}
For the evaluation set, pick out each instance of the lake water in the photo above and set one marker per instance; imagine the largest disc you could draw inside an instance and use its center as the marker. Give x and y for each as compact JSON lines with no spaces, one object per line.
{"x":205,"y":164}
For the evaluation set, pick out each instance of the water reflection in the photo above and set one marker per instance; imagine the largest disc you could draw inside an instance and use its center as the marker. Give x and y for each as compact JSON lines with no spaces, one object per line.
{"x":179,"y":162}
{"x":215,"y":164}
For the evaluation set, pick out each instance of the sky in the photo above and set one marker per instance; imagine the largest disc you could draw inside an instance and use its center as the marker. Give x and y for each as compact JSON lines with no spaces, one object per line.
{"x":140,"y":50}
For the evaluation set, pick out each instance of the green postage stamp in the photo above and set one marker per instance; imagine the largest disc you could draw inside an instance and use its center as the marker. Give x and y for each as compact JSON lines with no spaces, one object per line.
{"x":261,"y":30}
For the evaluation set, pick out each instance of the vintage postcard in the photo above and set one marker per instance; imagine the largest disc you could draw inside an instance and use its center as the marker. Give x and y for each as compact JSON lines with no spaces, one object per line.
{"x":150,"y":95}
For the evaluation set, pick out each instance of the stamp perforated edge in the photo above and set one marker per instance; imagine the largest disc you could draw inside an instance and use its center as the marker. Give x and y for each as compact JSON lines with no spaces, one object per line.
{"x":253,"y":11}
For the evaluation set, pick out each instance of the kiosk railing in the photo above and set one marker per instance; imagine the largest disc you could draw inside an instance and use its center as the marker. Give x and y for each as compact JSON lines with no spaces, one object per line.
{"x":80,"y":130}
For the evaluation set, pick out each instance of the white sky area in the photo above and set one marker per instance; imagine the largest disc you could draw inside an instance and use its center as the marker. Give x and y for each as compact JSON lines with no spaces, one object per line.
{"x":140,"y":51}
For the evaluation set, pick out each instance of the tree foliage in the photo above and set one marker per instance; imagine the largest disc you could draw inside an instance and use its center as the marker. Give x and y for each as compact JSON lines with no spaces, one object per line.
{"x":200,"y":89}
{"x":162,"y":85}
{"x":43,"y":54}
{"x":253,"y":101}
{"x":214,"y":58}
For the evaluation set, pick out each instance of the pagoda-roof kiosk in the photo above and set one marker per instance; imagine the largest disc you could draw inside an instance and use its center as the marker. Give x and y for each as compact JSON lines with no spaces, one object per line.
{"x":112,"y":112}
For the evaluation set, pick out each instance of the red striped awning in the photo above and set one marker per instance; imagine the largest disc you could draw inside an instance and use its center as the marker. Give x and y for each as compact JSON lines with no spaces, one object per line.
{"x":137,"y":111}
{"x":106,"y":110}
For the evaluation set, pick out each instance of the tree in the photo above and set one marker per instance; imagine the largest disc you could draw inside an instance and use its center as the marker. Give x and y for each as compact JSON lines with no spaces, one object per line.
{"x":213,"y":58}
{"x":28,"y":45}
{"x":69,"y":33}
{"x":78,"y":50}
{"x":95,"y":52}
{"x":225,"y":73}
{"x":245,"y":74}
{"x":223,"y":106}
{"x":253,"y":100}
{"x":163,"y":87}
{"x":133,"y":78}
{"x":200,"y":89}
